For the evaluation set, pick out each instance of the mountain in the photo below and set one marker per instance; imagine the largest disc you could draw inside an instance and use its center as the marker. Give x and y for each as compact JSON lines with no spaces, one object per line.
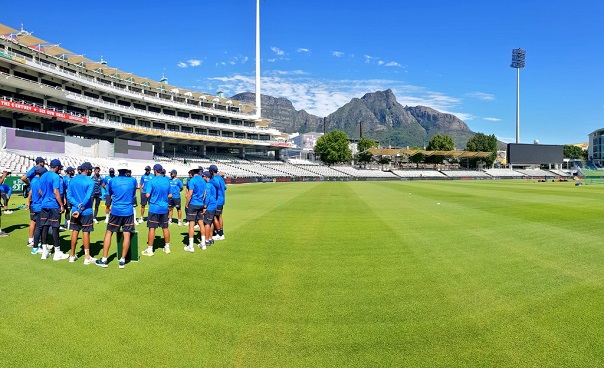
{"x":383,"y":118}
{"x":282,"y":113}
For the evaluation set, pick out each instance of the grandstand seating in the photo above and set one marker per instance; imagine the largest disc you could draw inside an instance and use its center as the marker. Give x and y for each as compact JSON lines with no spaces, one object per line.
{"x":504,"y":173}
{"x":465,"y":174}
{"x":419,"y":174}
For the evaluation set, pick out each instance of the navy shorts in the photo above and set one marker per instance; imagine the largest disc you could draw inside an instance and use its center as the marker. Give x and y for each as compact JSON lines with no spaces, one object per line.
{"x":107,"y":200}
{"x":194,"y":213}
{"x":144,"y":199}
{"x":50,"y":217}
{"x":82,"y":223}
{"x":126,"y":223}
{"x":174,"y":202}
{"x":155,"y":220}
{"x":218,"y":210}
{"x":34,"y":216}
{"x":134,"y":202}
{"x":208,"y":218}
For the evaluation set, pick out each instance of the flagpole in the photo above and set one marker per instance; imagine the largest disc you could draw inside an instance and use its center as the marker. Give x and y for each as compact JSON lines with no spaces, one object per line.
{"x":258,"y":95}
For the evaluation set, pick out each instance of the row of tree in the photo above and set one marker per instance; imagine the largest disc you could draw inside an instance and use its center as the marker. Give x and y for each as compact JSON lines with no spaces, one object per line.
{"x":333,"y":147}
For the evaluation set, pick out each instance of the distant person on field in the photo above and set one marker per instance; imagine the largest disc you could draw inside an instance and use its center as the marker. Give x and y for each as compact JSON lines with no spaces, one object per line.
{"x":2,"y":178}
{"x":5,"y":193}
{"x":145,"y":178}
{"x":79,"y":196}
{"x":121,"y":217}
{"x":157,"y":191}
{"x":104,"y":183}
{"x":176,"y":187}
{"x":97,"y":192}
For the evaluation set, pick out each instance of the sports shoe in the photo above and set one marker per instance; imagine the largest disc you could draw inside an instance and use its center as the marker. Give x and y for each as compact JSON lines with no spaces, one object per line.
{"x":167,"y":250}
{"x":189,"y":249}
{"x":148,"y":252}
{"x":95,"y":221}
{"x":102,"y":264}
{"x":45,"y":254}
{"x":30,"y":244}
{"x":72,"y":259}
{"x":122,"y":264}
{"x":136,"y":222}
{"x":3,"y":234}
{"x":196,"y":226}
{"x":141,"y":220}
{"x":59,"y":256}
{"x":218,"y":237}
{"x":202,"y":246}
{"x":179,"y":223}
{"x":7,"y":212}
{"x":88,"y":261}
{"x":62,"y":228}
{"x":36,"y":250}
{"x":210,"y":242}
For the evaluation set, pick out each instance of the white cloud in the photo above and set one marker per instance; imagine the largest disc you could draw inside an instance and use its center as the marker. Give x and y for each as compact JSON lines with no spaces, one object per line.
{"x":277,"y":51}
{"x":337,"y":53}
{"x":392,"y":63}
{"x":506,"y":139}
{"x":194,"y":62}
{"x":492,"y":119}
{"x":302,"y":50}
{"x":481,"y":96}
{"x":181,"y":64}
{"x":381,"y":62}
{"x":288,"y":72}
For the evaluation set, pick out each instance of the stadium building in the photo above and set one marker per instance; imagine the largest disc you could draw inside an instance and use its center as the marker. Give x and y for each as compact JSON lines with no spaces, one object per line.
{"x":46,"y":88}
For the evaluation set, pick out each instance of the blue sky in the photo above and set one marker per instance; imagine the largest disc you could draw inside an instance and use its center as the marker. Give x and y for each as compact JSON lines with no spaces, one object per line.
{"x":453,"y":56}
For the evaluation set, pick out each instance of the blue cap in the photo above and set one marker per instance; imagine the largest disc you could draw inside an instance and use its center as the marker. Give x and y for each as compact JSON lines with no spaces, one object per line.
{"x":147,"y":168}
{"x":86,"y":166}
{"x":157,"y":167}
{"x":111,"y":170}
{"x":206,"y":174}
{"x":173,"y":172}
{"x":213,"y":168}
{"x":70,"y":169}
{"x":55,"y":163}
{"x":40,"y":159}
{"x":39,"y":170}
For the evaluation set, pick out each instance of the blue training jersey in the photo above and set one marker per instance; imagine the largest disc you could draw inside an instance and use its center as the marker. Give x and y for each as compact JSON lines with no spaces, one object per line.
{"x":158,"y":188}
{"x":80,"y":194}
{"x":175,"y":187}
{"x":49,"y":182}
{"x":31,"y":173}
{"x":220,"y":186}
{"x":36,"y":197}
{"x":97,"y":192}
{"x":145,"y":179}
{"x":6,"y":189}
{"x":209,"y":201}
{"x":123,"y":189}
{"x":198,"y":186}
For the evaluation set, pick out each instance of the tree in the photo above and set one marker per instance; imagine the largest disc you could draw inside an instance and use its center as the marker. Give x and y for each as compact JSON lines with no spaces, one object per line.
{"x":575,"y":152}
{"x":363,"y":145}
{"x":439,"y":142}
{"x":482,"y":143}
{"x":333,"y":148}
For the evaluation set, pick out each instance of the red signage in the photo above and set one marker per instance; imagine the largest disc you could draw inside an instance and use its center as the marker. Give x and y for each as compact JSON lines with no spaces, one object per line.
{"x":42,"y":111}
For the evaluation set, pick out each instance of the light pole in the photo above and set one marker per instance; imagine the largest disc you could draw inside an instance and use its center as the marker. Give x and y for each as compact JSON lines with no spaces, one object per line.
{"x":518,"y":58}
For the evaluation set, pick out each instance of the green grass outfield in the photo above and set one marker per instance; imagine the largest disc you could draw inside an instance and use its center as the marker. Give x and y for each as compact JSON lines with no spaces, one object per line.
{"x":366,"y":274}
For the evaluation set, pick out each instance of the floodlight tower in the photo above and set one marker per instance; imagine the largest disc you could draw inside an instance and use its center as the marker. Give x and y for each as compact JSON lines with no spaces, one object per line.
{"x":518,"y":58}
{"x":258,"y":95}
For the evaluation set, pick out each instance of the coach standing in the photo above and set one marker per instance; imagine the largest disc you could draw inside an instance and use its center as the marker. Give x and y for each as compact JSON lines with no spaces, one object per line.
{"x":96,"y":193}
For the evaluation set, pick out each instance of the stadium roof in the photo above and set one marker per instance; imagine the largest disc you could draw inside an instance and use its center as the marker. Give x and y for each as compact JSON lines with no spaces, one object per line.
{"x":411,"y":152}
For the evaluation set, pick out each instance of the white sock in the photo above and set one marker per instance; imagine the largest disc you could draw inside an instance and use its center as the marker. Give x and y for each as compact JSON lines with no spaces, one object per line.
{"x":167,"y":245}
{"x":57,"y":249}
{"x":122,"y":260}
{"x":30,"y":240}
{"x":45,"y":247}
{"x":191,"y":242}
{"x":203,"y":240}
{"x":87,"y":252}
{"x":150,"y":247}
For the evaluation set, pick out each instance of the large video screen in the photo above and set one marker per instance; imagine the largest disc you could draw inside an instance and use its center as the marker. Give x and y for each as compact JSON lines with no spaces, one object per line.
{"x":24,"y":140}
{"x":125,"y":148}
{"x":519,"y":154}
